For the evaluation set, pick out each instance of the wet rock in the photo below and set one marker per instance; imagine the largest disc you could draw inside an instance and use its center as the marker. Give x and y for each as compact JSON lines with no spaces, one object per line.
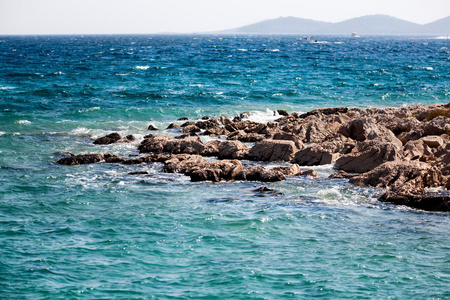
{"x":138,"y":173}
{"x":260,"y":174}
{"x":341,"y":174}
{"x":366,"y":156}
{"x":216,"y":131}
{"x":282,"y":112}
{"x":108,"y":139}
{"x":190,"y":129}
{"x":211,"y":148}
{"x":224,"y":120}
{"x":151,"y":127}
{"x":289,"y":171}
{"x":273,"y":150}
{"x":325,"y":111}
{"x":215,"y":171}
{"x":173,"y":126}
{"x":160,"y":144}
{"x":247,"y":126}
{"x":64,"y":153}
{"x":147,"y":159}
{"x":232,"y":150}
{"x":205,"y":118}
{"x":310,"y":173}
{"x":428,"y":202}
{"x":183,"y":119}
{"x":403,"y":176}
{"x":187,"y":124}
{"x":181,"y":163}
{"x":244,"y":137}
{"x":85,"y":159}
{"x":317,"y":154}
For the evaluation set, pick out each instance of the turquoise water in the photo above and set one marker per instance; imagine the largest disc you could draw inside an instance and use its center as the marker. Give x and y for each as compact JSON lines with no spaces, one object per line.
{"x":94,"y":231}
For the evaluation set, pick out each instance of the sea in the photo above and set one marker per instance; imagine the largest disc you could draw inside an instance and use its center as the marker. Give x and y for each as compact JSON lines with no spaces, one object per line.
{"x":96,"y":232}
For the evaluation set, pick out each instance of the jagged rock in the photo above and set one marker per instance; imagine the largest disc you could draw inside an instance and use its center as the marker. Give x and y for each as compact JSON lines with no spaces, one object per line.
{"x":273,"y":150}
{"x":402,"y":176}
{"x":417,"y":150}
{"x":247,"y":126}
{"x":325,"y":111}
{"x":224,"y":120}
{"x":160,"y":144}
{"x":207,"y":124}
{"x":187,"y":124}
{"x":180,"y":163}
{"x":215,"y":171}
{"x":317,"y":154}
{"x":312,"y":129}
{"x":428,"y":202}
{"x":400,"y":125}
{"x":87,"y":159}
{"x":282,"y":112}
{"x":341,"y":174}
{"x":437,"y":126}
{"x":289,"y":171}
{"x":172,"y":126}
{"x":232,"y":150}
{"x":244,"y":137}
{"x":216,"y":131}
{"x":260,"y":174}
{"x":108,"y":139}
{"x":211,"y":148}
{"x":284,"y":136}
{"x":433,"y":141}
{"x":190,"y":129}
{"x":151,"y":127}
{"x":366,"y":128}
{"x":367,"y":156}
{"x":183,"y":119}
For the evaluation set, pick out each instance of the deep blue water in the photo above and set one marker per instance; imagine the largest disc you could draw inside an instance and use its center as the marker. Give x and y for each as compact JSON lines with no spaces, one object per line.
{"x":93,"y":231}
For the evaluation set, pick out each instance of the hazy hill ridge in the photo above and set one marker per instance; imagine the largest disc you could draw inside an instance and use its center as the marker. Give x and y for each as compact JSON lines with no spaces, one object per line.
{"x":372,"y":25}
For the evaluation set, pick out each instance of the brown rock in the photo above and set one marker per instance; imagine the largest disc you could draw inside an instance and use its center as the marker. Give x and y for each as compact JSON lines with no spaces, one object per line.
{"x":273,"y":150}
{"x":284,"y":136}
{"x":325,"y":111}
{"x":181,"y":163}
{"x":341,"y":174}
{"x":433,"y":141}
{"x":428,"y":202}
{"x":402,"y":176}
{"x":108,"y":139}
{"x":317,"y":154}
{"x":172,"y":126}
{"x":437,"y":126}
{"x":232,"y":150}
{"x":259,"y":174}
{"x":417,"y":150}
{"x":211,"y":148}
{"x":289,"y":171}
{"x":190,"y":129}
{"x":311,"y":129}
{"x":367,"y":156}
{"x":311,"y":173}
{"x":86,"y":159}
{"x":151,"y":127}
{"x":160,"y":144}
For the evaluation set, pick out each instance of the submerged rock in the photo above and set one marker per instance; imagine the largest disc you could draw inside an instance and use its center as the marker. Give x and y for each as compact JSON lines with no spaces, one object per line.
{"x":428,"y":202}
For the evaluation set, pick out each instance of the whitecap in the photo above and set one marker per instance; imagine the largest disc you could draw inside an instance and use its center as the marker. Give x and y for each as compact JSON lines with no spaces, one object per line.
{"x":275,"y":50}
{"x":142,"y":67}
{"x":22,"y":122}
{"x":7,"y":87}
{"x":263,"y":116}
{"x":428,"y":68}
{"x":242,"y":50}
{"x":2,"y":133}
{"x":89,"y":109}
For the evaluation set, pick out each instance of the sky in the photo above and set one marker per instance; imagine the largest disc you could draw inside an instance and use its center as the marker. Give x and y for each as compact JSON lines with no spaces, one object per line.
{"x":189,"y":16}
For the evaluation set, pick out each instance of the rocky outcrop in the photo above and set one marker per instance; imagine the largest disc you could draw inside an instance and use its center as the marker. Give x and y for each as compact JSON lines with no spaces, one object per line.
{"x":161,"y":144}
{"x":114,"y":138}
{"x":317,"y":154}
{"x":273,"y":150}
{"x":426,"y":201}
{"x":232,"y":150}
{"x":368,"y":155}
{"x":88,"y":159}
{"x":260,"y":174}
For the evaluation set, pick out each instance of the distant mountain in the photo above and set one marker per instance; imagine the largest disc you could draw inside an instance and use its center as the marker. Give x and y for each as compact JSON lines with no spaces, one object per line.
{"x":367,"y":25}
{"x":441,"y":26}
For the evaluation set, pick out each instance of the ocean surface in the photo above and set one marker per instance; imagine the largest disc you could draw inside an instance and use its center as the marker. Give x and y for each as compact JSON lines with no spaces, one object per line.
{"x":95,"y":232}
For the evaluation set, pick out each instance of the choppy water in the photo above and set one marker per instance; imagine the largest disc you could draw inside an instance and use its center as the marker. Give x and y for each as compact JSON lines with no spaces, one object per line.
{"x":94,"y":231}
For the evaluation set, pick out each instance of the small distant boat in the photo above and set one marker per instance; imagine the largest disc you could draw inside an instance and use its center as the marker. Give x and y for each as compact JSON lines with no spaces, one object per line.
{"x":308,"y":39}
{"x":354,"y":34}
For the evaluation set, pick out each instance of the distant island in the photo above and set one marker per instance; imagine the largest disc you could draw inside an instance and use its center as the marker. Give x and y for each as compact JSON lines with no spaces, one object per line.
{"x":366,"y":25}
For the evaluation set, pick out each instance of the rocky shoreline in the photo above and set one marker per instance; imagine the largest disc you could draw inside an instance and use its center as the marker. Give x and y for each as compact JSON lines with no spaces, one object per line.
{"x":405,"y":151}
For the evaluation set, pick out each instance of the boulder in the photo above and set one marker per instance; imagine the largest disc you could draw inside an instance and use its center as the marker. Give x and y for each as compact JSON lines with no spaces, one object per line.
{"x":161,"y":144}
{"x":325,"y":111}
{"x":402,"y":176}
{"x":108,"y":139}
{"x":433,"y":141}
{"x":242,"y":136}
{"x":428,"y":201}
{"x":289,"y":171}
{"x":417,"y":150}
{"x":260,"y":174}
{"x":310,"y":173}
{"x":366,"y":128}
{"x":88,"y":159}
{"x":247,"y":126}
{"x":341,"y":175}
{"x":172,"y":126}
{"x":151,"y":127}
{"x":437,"y":126}
{"x":311,"y":129}
{"x":211,"y":148}
{"x":366,"y":156}
{"x":232,"y":150}
{"x":190,"y":129}
{"x":181,"y":163}
{"x":317,"y":154}
{"x":284,"y":136}
{"x":273,"y":150}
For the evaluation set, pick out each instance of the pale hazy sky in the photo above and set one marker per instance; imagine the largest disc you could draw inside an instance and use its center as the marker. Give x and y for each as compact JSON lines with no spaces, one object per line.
{"x":187,"y":16}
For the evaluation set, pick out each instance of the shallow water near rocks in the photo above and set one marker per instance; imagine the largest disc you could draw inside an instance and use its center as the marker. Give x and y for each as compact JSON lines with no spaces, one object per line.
{"x":94,"y":231}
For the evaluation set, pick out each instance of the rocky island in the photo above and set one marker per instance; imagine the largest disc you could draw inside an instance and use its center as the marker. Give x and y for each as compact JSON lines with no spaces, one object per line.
{"x":405,"y":151}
